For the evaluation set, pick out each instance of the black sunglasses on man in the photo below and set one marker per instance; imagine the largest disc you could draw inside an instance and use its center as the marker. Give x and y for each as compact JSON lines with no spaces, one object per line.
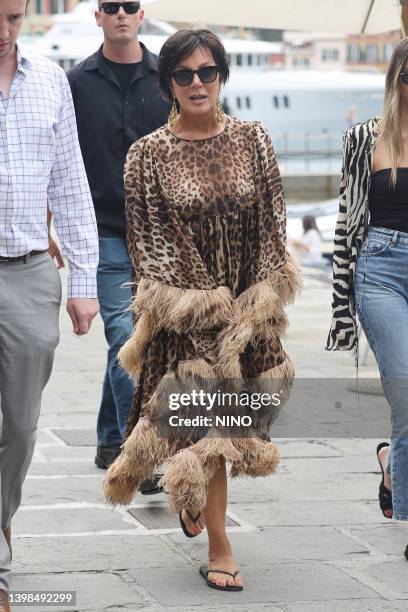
{"x":112,"y":8}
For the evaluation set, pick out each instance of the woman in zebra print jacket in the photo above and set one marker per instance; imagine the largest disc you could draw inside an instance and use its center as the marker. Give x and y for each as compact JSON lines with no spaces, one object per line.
{"x":371,"y":263}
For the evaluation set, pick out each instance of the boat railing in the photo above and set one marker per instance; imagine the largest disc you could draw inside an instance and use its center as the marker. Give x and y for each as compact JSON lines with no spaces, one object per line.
{"x":308,"y":144}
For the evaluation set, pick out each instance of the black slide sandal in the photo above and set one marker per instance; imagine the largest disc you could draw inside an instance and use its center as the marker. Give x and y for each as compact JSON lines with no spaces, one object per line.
{"x":193,"y":520}
{"x":384,"y":494}
{"x":204,"y":571}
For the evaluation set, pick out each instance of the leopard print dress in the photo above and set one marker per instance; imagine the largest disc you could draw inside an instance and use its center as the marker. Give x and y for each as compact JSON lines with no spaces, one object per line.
{"x":207,"y":240}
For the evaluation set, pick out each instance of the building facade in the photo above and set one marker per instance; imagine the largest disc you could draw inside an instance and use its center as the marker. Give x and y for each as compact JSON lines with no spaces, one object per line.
{"x":315,"y":50}
{"x":371,"y":52}
{"x":40,"y":14}
{"x":320,"y":51}
{"x":50,"y":7}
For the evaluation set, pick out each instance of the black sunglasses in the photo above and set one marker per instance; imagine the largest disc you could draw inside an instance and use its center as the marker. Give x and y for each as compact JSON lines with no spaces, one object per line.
{"x":185,"y":76}
{"x":404,"y":77}
{"x":111,"y":8}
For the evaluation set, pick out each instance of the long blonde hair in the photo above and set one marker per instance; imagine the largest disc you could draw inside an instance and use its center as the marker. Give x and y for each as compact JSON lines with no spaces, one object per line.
{"x":390,"y":126}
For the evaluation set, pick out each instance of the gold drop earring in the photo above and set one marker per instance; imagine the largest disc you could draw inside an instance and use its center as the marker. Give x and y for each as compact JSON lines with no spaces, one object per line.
{"x":173,"y":115}
{"x":218,"y":112}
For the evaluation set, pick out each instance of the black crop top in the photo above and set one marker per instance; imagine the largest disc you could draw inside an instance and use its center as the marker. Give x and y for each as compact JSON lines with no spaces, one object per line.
{"x":388,"y":206}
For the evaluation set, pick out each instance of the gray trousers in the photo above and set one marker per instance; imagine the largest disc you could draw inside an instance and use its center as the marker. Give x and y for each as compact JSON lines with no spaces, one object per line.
{"x":30,"y":297}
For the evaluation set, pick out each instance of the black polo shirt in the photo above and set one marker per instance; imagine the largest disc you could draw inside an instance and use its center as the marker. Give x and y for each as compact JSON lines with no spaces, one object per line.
{"x":109,"y":121}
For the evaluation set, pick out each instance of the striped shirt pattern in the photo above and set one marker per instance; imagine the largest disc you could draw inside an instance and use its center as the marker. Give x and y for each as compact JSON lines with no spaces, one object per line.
{"x":351,"y":230}
{"x":40,"y":164}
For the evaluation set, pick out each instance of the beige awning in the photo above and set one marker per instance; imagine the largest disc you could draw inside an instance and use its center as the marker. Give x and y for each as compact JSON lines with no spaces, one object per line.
{"x":348,"y":16}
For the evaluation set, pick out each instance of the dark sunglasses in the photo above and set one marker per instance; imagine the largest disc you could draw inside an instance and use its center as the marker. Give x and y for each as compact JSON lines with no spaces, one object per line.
{"x":404,"y":77}
{"x":206,"y":74}
{"x":111,"y":8}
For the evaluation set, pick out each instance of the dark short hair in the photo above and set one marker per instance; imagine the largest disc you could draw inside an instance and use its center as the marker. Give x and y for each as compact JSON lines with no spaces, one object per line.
{"x":180,"y":46}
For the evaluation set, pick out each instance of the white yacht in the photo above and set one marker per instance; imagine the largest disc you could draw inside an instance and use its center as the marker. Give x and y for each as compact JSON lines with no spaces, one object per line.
{"x":305,"y":111}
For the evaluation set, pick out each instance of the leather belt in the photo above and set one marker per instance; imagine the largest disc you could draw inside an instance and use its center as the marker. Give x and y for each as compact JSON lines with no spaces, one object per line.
{"x":24,"y":258}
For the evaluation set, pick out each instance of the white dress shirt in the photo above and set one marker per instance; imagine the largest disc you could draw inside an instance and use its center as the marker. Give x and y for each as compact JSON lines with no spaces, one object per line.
{"x":40,"y":164}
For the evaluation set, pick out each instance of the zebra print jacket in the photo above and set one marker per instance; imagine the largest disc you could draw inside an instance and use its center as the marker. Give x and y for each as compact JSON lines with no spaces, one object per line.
{"x":351,"y":229}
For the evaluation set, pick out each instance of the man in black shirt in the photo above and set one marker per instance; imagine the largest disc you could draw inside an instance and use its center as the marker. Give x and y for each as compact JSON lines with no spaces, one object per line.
{"x":117,"y":101}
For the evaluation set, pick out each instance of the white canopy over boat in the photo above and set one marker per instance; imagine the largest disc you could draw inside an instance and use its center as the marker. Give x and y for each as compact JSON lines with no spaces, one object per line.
{"x":348,"y":16}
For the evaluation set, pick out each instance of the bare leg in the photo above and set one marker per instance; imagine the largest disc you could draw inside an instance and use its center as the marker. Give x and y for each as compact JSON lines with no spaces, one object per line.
{"x":193,"y":528}
{"x":383,"y":457}
{"x":219,"y":547}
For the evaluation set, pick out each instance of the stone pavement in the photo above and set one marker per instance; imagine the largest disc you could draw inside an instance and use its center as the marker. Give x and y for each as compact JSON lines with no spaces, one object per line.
{"x":309,"y":539}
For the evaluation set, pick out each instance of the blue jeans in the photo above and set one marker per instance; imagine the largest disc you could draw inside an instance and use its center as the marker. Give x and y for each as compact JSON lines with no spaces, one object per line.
{"x":381,"y":294}
{"x":113,"y":271}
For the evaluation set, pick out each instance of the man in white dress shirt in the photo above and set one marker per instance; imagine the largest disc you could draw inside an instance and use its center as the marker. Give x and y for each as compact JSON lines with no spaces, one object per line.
{"x":40,"y":165}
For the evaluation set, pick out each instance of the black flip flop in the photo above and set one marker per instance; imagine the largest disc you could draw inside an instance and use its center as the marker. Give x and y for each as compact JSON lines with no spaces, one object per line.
{"x":204,"y":571}
{"x":184,"y":526}
{"x":384,"y":494}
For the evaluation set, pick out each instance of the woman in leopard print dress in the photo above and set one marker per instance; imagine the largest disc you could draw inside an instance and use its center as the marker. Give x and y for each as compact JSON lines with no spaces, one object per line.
{"x":207,"y":239}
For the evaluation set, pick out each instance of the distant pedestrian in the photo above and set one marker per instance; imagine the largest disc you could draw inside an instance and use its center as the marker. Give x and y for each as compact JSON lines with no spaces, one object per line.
{"x":308,"y":248}
{"x":40,"y":165}
{"x":206,"y":229}
{"x":117,"y":101}
{"x":371,"y":263}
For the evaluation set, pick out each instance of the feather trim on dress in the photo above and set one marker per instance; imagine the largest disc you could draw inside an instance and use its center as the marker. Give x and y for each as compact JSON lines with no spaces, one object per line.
{"x":257,"y":311}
